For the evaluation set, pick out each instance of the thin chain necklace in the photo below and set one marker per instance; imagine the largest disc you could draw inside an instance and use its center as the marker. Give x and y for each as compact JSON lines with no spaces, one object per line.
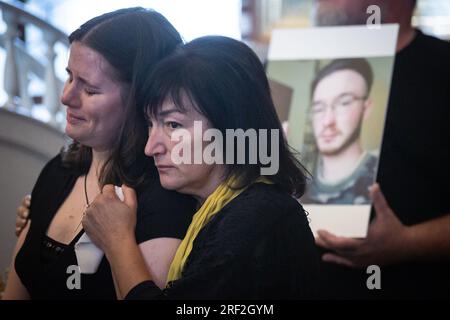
{"x":87,"y":202}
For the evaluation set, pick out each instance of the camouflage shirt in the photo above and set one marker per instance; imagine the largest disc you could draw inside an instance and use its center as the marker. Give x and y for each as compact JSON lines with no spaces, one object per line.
{"x":351,"y":190}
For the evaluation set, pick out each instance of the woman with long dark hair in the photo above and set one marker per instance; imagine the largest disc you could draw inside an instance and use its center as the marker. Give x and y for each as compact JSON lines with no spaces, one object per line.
{"x":110,"y":57}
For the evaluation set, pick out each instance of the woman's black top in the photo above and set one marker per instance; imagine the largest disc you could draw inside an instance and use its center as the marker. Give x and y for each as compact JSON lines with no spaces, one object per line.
{"x":259,"y":246}
{"x":44,"y":265}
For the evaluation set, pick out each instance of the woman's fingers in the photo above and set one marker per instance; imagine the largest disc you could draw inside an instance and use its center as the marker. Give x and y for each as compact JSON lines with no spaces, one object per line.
{"x":22,"y":212}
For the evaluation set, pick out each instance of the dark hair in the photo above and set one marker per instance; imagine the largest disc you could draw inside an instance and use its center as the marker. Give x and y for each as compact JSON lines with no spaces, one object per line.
{"x":132,"y":40}
{"x":359,"y":65}
{"x":225,"y":81}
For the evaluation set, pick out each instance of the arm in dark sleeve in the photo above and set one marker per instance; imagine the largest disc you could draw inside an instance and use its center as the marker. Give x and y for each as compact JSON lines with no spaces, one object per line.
{"x":163,"y":213}
{"x":146,"y":290}
{"x":208,"y":283}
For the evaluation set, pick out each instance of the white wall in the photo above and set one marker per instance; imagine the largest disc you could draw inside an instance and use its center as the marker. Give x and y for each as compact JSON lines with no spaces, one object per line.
{"x":25,"y":146}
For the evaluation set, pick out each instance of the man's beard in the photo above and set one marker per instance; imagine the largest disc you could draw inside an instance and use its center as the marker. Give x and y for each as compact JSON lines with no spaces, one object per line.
{"x":348,"y":142}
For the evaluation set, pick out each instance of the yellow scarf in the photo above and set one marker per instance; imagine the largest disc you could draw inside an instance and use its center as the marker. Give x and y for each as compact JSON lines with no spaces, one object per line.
{"x":213,"y":204}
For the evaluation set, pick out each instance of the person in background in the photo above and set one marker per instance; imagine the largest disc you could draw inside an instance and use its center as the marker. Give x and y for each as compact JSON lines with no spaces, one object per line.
{"x":250,"y":238}
{"x":409,"y":236}
{"x":110,"y":57}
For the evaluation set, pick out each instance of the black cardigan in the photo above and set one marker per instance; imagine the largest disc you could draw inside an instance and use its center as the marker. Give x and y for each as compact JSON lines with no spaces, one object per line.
{"x":259,"y":246}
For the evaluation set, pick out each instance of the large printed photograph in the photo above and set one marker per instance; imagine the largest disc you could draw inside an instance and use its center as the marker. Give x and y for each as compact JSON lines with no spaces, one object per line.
{"x":336,"y":114}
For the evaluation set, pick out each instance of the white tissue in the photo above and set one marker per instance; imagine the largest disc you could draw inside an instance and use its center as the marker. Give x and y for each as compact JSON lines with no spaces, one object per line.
{"x":88,"y":255}
{"x":119,"y":192}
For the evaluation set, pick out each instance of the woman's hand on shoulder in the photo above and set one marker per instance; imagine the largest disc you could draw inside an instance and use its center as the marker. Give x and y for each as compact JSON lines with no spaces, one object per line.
{"x":22,"y":214}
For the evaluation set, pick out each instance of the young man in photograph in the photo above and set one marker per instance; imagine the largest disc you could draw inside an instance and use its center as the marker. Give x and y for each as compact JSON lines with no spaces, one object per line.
{"x":340,"y":103}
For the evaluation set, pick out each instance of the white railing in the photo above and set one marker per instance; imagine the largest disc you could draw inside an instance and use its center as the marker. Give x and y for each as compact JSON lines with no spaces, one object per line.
{"x":19,"y":63}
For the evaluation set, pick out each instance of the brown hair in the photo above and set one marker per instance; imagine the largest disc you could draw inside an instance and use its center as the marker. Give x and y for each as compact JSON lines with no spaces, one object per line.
{"x":132,"y":40}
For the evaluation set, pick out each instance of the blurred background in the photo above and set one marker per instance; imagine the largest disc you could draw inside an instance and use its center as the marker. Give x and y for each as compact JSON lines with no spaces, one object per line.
{"x":33,"y":57}
{"x":249,"y":20}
